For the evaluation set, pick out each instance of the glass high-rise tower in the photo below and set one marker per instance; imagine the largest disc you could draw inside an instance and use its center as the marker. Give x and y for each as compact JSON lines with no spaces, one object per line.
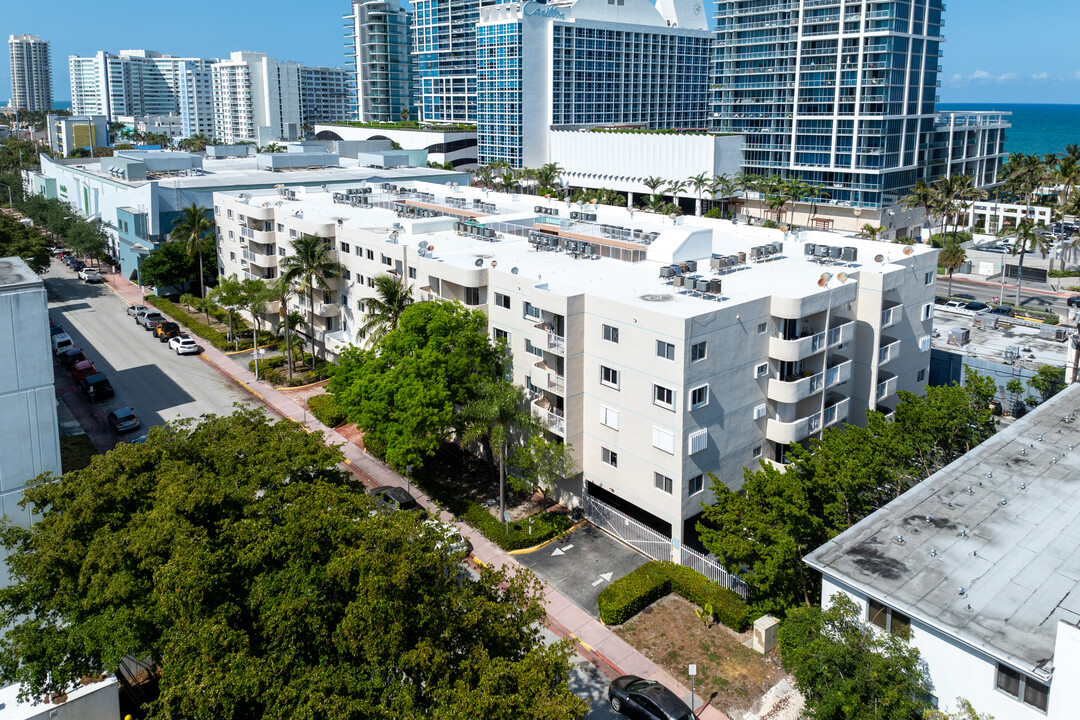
{"x":378,"y":52}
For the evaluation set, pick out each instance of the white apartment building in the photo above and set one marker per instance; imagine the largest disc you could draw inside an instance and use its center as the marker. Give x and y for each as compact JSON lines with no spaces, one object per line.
{"x":31,"y":73}
{"x":68,"y":133}
{"x":256,"y":98}
{"x":980,"y":563}
{"x":27,"y":397}
{"x":660,"y":350}
{"x":325,"y":94}
{"x":171,"y":126}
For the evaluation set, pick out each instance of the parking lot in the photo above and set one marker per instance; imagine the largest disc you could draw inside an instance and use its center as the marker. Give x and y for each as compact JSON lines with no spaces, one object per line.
{"x":583,"y":564}
{"x":146,"y":376}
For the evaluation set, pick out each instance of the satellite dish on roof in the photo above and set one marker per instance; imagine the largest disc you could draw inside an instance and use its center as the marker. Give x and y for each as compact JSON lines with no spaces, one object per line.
{"x":842,"y":277}
{"x":879,"y":258}
{"x":479,"y":262}
{"x":824,"y":279}
{"x":394,"y":235}
{"x":422,"y":245}
{"x":494,"y":263}
{"x":908,"y":250}
{"x":513,"y":271}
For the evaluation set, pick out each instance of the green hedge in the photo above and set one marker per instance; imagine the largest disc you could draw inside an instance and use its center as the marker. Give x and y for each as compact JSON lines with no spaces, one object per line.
{"x":197,"y":327}
{"x":628,"y":595}
{"x":1064,"y":273}
{"x":327,"y":409}
{"x":268,"y":364}
{"x":545,"y":526}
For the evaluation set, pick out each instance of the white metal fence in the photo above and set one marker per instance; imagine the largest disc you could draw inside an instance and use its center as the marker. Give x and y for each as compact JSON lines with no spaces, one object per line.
{"x":630,"y":531}
{"x":656,"y":545}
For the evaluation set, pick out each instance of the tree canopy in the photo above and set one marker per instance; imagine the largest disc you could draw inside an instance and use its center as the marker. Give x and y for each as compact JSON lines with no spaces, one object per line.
{"x":28,"y":243}
{"x":763,"y":531}
{"x":236,"y":557}
{"x":402,"y":391}
{"x":167,"y":265}
{"x":848,"y":672}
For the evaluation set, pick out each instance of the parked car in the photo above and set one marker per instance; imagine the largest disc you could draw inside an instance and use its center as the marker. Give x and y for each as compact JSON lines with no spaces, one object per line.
{"x":184,"y":345}
{"x":636,"y":697}
{"x":165,"y":330}
{"x":134,"y":310}
{"x":394,"y":498}
{"x":90,"y":275}
{"x":954,"y":305}
{"x":1073,"y":302}
{"x":72,"y":356}
{"x":82,"y":369}
{"x":55,"y":330}
{"x":61,"y":343}
{"x":78,"y":265}
{"x":123,"y":420}
{"x":149,"y":319}
{"x":96,"y":387}
{"x":1003,"y":310}
{"x":977,"y":306}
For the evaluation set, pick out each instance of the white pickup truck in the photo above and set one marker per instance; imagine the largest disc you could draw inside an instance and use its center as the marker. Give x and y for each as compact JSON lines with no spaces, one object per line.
{"x":90,"y":275}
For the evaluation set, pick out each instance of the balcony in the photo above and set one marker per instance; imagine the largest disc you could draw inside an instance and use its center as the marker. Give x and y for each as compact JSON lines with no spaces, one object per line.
{"x":555,"y":343}
{"x":885,"y":387}
{"x":794,"y":390}
{"x":890,"y":348}
{"x":789,"y":433}
{"x":891,"y":313}
{"x":811,"y":344}
{"x":554,"y":422}
{"x":555,"y":381}
{"x":327,"y":309}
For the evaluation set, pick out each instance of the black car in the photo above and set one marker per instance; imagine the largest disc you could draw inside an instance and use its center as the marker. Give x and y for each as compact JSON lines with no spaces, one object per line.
{"x":977,"y":306}
{"x":1073,"y":302}
{"x":165,"y":330}
{"x":636,"y":697}
{"x":394,"y":498}
{"x":96,"y":387}
{"x":1003,"y":310}
{"x":72,"y":356}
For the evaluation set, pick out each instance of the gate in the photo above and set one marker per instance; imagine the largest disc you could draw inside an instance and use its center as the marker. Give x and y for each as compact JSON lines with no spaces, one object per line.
{"x":643,"y":539}
{"x":711,"y":569}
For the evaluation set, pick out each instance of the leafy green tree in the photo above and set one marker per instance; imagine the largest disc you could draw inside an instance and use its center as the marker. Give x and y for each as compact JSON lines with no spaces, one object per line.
{"x":1047,"y":381}
{"x":964,"y":711}
{"x":402,"y":392}
{"x":539,"y":464}
{"x":848,"y":672}
{"x":392,"y":295}
{"x":239,"y":559}
{"x":311,"y":265}
{"x":167,"y":265}
{"x":230,"y":295}
{"x":28,"y":243}
{"x":280,"y":291}
{"x":194,"y":229}
{"x":497,"y":413}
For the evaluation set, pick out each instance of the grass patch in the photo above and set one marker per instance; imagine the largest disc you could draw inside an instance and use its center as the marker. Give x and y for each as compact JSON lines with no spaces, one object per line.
{"x":76,"y":452}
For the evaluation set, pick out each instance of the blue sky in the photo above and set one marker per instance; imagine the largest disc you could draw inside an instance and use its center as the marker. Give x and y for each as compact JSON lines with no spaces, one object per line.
{"x":996,"y":50}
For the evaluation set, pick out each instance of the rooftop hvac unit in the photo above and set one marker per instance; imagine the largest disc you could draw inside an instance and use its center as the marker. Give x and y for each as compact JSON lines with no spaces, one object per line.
{"x":809,"y":248}
{"x":714,"y":286}
{"x":575,"y":215}
{"x":538,"y":209}
{"x":755,"y":252}
{"x":691,"y":265}
{"x":667,"y":271}
{"x":835,"y":252}
{"x":821,"y":251}
{"x":850,"y":254}
{"x":678,"y":280}
{"x":742,"y":258}
{"x":1051,"y":332}
{"x":716,"y":263}
{"x":703,"y":285}
{"x":959,"y":336}
{"x":988,"y":322}
{"x":586,"y":249}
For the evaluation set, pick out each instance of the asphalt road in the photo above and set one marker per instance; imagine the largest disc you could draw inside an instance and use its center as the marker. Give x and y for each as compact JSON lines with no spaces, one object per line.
{"x":1028,"y":297}
{"x":582,"y":565}
{"x":148,"y":377}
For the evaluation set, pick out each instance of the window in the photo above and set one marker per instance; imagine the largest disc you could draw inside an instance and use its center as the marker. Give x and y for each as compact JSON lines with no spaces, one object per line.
{"x":662,"y":482}
{"x":928,"y":279}
{"x":759,"y":411}
{"x":532,"y":349}
{"x":412,"y":273}
{"x":1026,"y":689}
{"x":280,"y":227}
{"x":345,"y":247}
{"x":530,"y":310}
{"x":241,"y":218}
{"x":761,"y":370}
{"x":359,"y":251}
{"x":386,"y":260}
{"x":927,"y":311}
{"x":921,"y":375}
{"x":472,"y":295}
{"x":697,"y":351}
{"x":370,"y":254}
{"x":609,"y":457}
{"x":501,"y":300}
{"x":889,"y":620}
{"x":609,"y":417}
{"x":611,"y":334}
{"x":695,"y":485}
{"x":232,"y":236}
{"x":228,"y":214}
{"x":665,"y":350}
{"x":699,"y":397}
{"x":232,"y":256}
{"x":663,"y":397}
{"x":698,"y":441}
{"x":762,"y":328}
{"x":371,"y":282}
{"x":609,"y":377}
{"x":502,"y":335}
{"x":217,"y":209}
{"x":663,"y":440}
{"x":345,"y":274}
{"x":924,"y":343}
{"x":757,"y":451}
{"x":281,"y":252}
{"x":292,"y":232}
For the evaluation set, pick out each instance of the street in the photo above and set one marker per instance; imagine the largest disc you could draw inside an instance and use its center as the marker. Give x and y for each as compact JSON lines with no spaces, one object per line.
{"x":148,"y":377}
{"x":1032,"y":297}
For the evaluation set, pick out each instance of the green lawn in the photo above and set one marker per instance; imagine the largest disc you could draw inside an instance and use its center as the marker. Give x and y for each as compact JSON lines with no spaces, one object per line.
{"x":76,"y":452}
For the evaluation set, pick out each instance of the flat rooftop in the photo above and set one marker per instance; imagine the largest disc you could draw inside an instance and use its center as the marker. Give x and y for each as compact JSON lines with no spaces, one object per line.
{"x":992,"y":344}
{"x":636,"y":284}
{"x":15,"y":274}
{"x":991,"y":543}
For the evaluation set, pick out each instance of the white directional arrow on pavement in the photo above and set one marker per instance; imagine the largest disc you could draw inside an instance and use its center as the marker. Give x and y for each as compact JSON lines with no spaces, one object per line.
{"x":560,"y":551}
{"x":604,"y":577}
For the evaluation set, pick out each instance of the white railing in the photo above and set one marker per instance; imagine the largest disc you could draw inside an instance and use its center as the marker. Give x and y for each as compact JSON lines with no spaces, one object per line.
{"x":624,"y":528}
{"x":555,"y":422}
{"x":711,"y":569}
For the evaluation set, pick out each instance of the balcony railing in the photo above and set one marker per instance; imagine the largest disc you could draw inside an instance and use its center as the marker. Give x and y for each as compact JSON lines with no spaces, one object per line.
{"x":555,"y":423}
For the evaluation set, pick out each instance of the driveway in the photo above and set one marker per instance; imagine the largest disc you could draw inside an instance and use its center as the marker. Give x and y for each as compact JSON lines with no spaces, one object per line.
{"x":583,"y":564}
{"x":160,"y":385}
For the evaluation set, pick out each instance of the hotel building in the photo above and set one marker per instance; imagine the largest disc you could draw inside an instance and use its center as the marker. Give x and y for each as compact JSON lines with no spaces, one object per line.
{"x":377,"y":47}
{"x":444,"y":53}
{"x":660,"y":351}
{"x":256,"y":98}
{"x":31,"y":74}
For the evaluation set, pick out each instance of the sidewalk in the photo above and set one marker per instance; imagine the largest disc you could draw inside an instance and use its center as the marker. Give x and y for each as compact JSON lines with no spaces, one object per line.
{"x":608,"y":651}
{"x":1010,"y":284}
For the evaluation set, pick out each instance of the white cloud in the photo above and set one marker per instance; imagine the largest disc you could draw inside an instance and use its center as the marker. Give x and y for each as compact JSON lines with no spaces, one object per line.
{"x":980,"y":75}
{"x":1076,"y":75}
{"x":1040,"y":76}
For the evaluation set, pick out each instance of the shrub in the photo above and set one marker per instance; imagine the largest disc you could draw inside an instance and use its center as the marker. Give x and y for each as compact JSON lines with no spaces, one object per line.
{"x":628,"y":595}
{"x":771,"y":224}
{"x":327,"y":409}
{"x":1064,"y":273}
{"x":267,"y":364}
{"x":204,"y":331}
{"x":545,"y":525}
{"x":715,"y":214}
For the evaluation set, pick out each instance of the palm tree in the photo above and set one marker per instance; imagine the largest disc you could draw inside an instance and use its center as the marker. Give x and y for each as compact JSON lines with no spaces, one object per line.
{"x":498,"y":413}
{"x":922,"y":196}
{"x":393,"y":295}
{"x":652,"y":182}
{"x":655,"y":203}
{"x":311,"y":265}
{"x":404,"y":114}
{"x":699,"y":183}
{"x":281,"y":292}
{"x":548,"y":175}
{"x":229,"y":294}
{"x":1027,"y":240}
{"x":722,"y":186}
{"x":291,"y":322}
{"x":1067,"y":174}
{"x":952,"y":256}
{"x":194,"y":229}
{"x":870,"y":232}
{"x":747,"y":182}
{"x":485,"y":176}
{"x":966,"y":194}
{"x":272,"y":148}
{"x":198,"y":304}
{"x":673,"y":189}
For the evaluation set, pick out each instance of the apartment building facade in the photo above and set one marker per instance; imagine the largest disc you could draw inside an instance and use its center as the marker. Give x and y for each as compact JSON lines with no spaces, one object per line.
{"x":378,"y":54}
{"x":31,"y":73}
{"x":654,"y":385}
{"x":444,"y":56}
{"x":256,"y":98}
{"x":325,"y":94}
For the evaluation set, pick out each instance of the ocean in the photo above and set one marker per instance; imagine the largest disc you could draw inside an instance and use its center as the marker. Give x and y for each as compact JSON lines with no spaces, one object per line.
{"x":1036,"y":129}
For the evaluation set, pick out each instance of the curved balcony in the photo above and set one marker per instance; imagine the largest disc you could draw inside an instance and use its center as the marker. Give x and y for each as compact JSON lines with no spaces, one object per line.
{"x":788,"y":433}
{"x":804,"y":347}
{"x":552,"y":421}
{"x":794,"y":390}
{"x":327,"y":309}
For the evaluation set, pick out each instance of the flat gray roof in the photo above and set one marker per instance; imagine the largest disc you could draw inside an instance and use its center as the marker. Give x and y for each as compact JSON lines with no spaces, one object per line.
{"x":15,"y":274}
{"x":1002,"y":523}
